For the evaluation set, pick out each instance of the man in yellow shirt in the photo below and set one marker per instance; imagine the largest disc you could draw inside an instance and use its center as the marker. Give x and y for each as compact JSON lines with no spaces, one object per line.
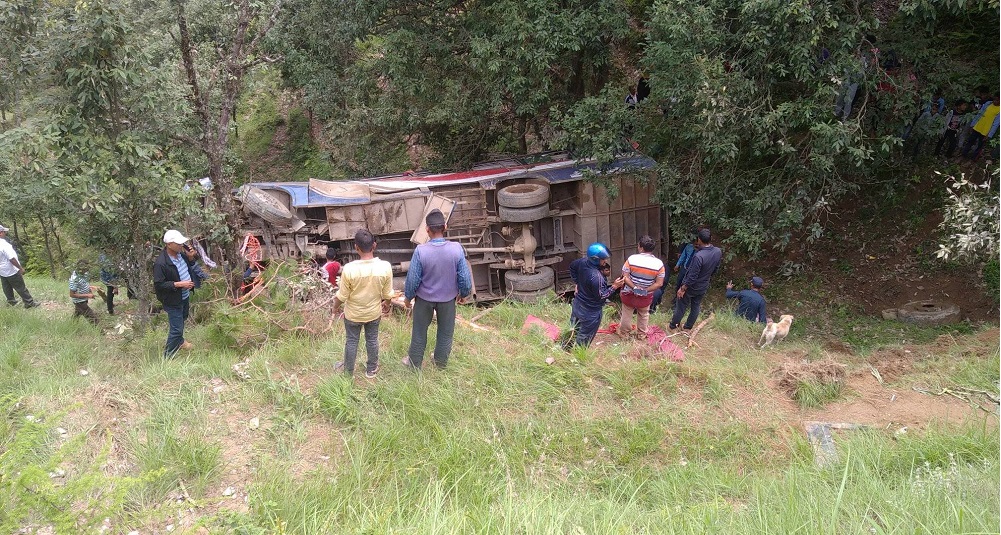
{"x":983,"y":127}
{"x":365,"y":290}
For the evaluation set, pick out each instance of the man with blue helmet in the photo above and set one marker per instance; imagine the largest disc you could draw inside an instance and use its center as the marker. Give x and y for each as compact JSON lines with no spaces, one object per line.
{"x":592,"y":290}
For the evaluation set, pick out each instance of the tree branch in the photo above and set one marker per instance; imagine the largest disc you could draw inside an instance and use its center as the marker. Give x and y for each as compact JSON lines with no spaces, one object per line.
{"x":198,"y":99}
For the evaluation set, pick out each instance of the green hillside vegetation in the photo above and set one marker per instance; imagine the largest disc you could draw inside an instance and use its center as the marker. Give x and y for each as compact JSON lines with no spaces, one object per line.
{"x":605,"y":440}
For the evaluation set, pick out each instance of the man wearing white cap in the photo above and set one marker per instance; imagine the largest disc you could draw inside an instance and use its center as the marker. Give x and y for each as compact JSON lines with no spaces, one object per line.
{"x":173,"y":285}
{"x":12,"y":274}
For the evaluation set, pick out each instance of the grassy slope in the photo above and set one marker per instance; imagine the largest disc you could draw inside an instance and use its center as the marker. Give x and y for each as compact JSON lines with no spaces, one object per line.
{"x":498,"y":443}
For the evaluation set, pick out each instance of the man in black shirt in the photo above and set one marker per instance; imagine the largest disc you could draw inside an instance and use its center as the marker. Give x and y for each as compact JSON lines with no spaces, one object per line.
{"x":693,"y":288}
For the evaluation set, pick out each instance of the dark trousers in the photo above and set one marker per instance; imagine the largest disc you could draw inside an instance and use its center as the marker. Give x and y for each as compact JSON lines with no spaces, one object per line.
{"x":111,"y":299}
{"x":949,"y":140}
{"x":584,"y":323}
{"x":353,"y":334}
{"x":176,"y":316}
{"x":658,"y":296}
{"x":15,"y":283}
{"x":974,"y":144}
{"x":83,"y":309}
{"x":423,"y":311}
{"x":683,"y":304}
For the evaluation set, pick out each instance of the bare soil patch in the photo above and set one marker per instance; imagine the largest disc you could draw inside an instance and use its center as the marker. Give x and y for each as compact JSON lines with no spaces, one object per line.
{"x":791,"y":375}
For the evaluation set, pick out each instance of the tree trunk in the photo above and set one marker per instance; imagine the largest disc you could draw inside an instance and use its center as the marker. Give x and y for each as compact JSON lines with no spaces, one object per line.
{"x":23,"y":255}
{"x":59,"y":245}
{"x":48,"y":248}
{"x":249,"y":30}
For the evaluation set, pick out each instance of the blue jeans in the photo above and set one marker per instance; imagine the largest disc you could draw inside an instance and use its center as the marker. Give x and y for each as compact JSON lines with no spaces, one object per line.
{"x":176,"y":316}
{"x":695,"y":302}
{"x":423,"y":311}
{"x":353,"y":332}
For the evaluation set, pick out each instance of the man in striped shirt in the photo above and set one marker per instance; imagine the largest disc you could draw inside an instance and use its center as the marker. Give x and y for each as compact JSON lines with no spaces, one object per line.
{"x":81,"y":292}
{"x":643,"y":273}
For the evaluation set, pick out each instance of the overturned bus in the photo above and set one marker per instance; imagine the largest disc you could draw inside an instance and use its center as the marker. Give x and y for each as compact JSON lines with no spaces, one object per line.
{"x":521,"y":220}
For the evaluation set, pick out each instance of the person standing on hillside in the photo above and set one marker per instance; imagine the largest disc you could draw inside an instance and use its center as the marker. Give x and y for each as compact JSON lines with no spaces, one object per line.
{"x":332,"y":268}
{"x":173,"y":284}
{"x":751,"y":304}
{"x":438,"y":274}
{"x":982,"y":128}
{"x":591,"y":292}
{"x":642,"y":274}
{"x":12,"y":273}
{"x":365,"y":290}
{"x":693,"y":288}
{"x":684,"y":259}
{"x":81,"y":292}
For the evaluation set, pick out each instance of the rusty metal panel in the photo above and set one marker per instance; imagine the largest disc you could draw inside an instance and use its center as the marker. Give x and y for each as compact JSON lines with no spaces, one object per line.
{"x":386,"y":217}
{"x":434,"y":201}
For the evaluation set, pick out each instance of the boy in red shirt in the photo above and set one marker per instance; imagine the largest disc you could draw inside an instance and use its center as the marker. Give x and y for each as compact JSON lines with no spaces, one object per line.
{"x":332,"y":267}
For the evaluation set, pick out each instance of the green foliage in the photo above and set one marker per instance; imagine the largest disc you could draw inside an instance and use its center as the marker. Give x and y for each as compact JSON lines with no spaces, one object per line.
{"x":992,"y":277}
{"x":970,"y":220}
{"x":336,"y":400}
{"x":43,"y":481}
{"x":101,"y":162}
{"x":459,"y":81}
{"x":813,"y":394}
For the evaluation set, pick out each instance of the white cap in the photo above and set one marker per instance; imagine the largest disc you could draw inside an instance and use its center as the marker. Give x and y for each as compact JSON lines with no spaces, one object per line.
{"x":3,"y":228}
{"x":173,"y":236}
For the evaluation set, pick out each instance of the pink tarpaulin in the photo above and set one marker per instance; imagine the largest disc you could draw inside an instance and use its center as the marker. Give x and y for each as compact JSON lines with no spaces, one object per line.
{"x":551,"y":330}
{"x":656,"y":337}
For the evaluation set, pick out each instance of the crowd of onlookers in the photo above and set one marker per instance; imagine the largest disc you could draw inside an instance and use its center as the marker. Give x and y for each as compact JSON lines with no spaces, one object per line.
{"x":643,"y":285}
{"x":964,"y":125}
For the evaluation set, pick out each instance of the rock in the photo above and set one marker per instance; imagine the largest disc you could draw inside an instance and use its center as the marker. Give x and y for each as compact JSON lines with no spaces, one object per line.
{"x":254,"y":423}
{"x":57,"y":473}
{"x":890,"y":314}
{"x":84,"y":372}
{"x":60,"y":430}
{"x":229,"y":491}
{"x":218,"y":389}
{"x":170,"y":527}
{"x":550,"y":361}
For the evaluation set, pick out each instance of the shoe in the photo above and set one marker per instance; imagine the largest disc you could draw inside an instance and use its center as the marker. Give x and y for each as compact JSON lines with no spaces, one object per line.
{"x":14,"y":304}
{"x":373,"y":373}
{"x":186,"y":345}
{"x":32,"y":305}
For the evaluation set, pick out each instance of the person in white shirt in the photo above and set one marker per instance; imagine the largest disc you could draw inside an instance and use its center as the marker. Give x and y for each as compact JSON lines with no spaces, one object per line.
{"x":12,"y":273}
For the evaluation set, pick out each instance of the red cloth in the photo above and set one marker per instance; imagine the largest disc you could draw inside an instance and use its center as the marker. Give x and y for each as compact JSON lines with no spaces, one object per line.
{"x":552,"y":331}
{"x":333,"y":269}
{"x":656,"y":337}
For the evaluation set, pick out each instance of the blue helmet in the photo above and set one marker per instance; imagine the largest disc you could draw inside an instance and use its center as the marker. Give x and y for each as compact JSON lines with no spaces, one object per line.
{"x":597,"y":252}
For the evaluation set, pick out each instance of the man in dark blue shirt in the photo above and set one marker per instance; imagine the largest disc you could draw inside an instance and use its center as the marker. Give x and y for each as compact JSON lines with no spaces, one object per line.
{"x":693,"y":288}
{"x":591,"y":292}
{"x":751,"y":304}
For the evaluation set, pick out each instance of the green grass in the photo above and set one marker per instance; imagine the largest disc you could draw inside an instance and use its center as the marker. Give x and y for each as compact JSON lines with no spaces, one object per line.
{"x":499,"y":442}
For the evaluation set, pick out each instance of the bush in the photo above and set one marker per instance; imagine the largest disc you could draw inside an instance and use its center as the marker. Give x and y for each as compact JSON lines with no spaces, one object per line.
{"x":992,"y":277}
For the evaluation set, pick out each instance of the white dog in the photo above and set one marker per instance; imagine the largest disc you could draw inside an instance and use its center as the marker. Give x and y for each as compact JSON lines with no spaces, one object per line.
{"x":775,"y":331}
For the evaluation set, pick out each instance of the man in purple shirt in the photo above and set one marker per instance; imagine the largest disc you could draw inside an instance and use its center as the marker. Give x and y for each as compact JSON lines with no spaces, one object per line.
{"x":438,"y":274}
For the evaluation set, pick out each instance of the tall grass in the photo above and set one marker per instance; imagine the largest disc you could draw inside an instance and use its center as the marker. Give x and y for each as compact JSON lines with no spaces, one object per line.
{"x":499,"y":442}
